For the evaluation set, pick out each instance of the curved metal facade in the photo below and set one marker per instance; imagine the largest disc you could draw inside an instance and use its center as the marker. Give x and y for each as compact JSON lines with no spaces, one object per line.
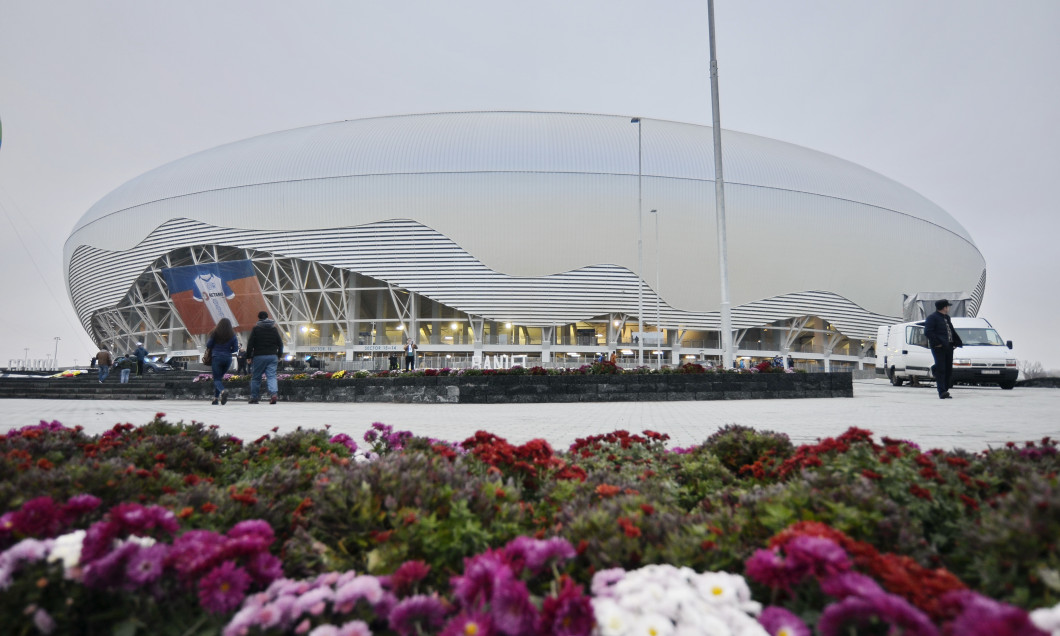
{"x":532,"y":217}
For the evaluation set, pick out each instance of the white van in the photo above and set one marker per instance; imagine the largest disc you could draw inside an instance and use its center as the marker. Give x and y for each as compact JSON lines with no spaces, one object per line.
{"x":902,"y":353}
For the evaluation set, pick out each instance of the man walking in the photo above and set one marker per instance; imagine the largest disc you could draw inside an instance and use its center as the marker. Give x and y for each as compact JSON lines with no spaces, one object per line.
{"x":103,"y":361}
{"x":943,"y":338}
{"x":264,"y":348}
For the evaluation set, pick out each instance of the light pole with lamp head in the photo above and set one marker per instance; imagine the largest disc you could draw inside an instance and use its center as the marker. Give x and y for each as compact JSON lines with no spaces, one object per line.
{"x":658,"y":327}
{"x":640,"y":248}
{"x":55,"y":356}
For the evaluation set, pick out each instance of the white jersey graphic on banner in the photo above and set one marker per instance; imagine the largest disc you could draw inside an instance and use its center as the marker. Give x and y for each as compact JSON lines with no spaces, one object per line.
{"x":211,"y":291}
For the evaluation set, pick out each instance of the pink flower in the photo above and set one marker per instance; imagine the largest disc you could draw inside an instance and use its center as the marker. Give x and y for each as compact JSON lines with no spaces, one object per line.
{"x":776,"y":619}
{"x":847,"y":584}
{"x":536,"y":554}
{"x":264,"y":568}
{"x":146,"y":564}
{"x":511,"y":609}
{"x":768,"y":567}
{"x":417,"y":614}
{"x":43,"y":621}
{"x":481,"y":571}
{"x":253,"y":527}
{"x":570,"y":613}
{"x":837,"y":618}
{"x":465,"y":624}
{"x":820,"y":556}
{"x":223,"y":589}
{"x":410,"y":573}
{"x":982,"y":616}
{"x":361,"y":587}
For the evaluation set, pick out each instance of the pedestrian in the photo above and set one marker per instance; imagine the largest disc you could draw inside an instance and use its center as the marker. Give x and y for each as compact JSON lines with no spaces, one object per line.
{"x":943,"y":338}
{"x":103,"y":361}
{"x":264,"y":348}
{"x":125,"y":364}
{"x":141,"y":355}
{"x":222,"y":343}
{"x":410,"y":355}
{"x":241,"y":360}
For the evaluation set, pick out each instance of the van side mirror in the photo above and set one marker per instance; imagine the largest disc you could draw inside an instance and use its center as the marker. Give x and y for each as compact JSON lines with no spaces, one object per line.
{"x":1009,"y":344}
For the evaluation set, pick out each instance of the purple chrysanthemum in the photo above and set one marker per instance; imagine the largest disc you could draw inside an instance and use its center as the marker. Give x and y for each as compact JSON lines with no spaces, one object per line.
{"x":780,"y":622}
{"x":223,"y":589}
{"x":981,"y":615}
{"x":569,"y":613}
{"x":425,"y":611}
{"x":858,"y":610}
{"x":477,"y":584}
{"x":768,"y":567}
{"x":39,"y":518}
{"x":511,"y":609}
{"x":464,"y":624}
{"x":604,"y":581}
{"x":109,"y":570}
{"x":361,"y":587}
{"x":43,"y":621}
{"x":820,"y":556}
{"x":847,"y":584}
{"x":252,"y":527}
{"x":264,"y":568}
{"x":79,"y":505}
{"x":345,"y":440}
{"x":25,"y":551}
{"x":536,"y":554}
{"x":196,"y":552}
{"x":146,"y":564}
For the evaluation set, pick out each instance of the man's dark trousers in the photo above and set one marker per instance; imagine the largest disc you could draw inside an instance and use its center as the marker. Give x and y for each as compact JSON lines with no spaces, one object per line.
{"x":943,"y":368}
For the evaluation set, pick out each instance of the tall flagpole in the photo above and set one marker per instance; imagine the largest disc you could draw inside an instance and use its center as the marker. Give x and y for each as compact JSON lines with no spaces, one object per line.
{"x":719,"y":197}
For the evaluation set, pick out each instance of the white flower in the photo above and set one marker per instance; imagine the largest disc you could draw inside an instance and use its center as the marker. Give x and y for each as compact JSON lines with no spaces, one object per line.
{"x":143,"y":542}
{"x":67,"y":549}
{"x":611,"y":619}
{"x":706,"y":625}
{"x":651,"y":624}
{"x":1047,"y":619}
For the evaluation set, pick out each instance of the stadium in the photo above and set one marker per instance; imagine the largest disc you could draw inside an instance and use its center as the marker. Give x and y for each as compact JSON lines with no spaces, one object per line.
{"x":526,"y":237}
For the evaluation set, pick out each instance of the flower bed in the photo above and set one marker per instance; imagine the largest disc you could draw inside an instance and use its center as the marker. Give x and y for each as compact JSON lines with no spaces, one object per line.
{"x":178,"y":528}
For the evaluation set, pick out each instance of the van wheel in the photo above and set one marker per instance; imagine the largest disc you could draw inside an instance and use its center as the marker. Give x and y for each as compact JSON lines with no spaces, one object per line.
{"x":895,"y":380}
{"x":914,"y":381}
{"x":1008,"y":386}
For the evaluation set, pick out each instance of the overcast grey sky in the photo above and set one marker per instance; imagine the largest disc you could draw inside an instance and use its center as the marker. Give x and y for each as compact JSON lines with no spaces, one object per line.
{"x":956,"y":99}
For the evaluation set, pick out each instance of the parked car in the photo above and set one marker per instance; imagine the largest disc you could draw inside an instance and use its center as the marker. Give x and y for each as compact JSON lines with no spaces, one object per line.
{"x":903,"y":354}
{"x":150,"y":366}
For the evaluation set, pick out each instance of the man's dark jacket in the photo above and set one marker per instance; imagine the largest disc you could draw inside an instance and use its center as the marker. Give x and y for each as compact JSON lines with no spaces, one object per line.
{"x":264,"y":340}
{"x":936,"y":333}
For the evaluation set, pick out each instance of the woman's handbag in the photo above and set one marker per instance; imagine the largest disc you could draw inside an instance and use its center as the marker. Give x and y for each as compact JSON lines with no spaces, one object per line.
{"x":207,"y":358}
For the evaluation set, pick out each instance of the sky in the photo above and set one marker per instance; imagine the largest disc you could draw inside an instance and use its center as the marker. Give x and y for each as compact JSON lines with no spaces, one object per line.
{"x":956,"y":99}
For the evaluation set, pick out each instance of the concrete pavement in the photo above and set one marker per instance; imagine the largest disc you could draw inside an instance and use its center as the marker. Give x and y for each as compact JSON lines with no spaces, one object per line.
{"x":975,"y":419}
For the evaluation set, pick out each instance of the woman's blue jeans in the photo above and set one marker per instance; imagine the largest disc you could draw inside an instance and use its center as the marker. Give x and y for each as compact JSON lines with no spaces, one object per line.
{"x":220,"y":366}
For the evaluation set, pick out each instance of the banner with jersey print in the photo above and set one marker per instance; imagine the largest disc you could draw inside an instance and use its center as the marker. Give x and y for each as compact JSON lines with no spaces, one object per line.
{"x":204,"y":294}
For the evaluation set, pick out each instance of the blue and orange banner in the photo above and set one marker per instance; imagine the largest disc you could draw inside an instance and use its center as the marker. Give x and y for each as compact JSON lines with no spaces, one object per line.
{"x":204,"y":294}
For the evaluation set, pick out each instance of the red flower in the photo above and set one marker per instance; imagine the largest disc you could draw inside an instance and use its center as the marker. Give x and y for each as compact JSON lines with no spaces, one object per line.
{"x":871,"y":474}
{"x":920,"y":491}
{"x":605,"y":490}
{"x":208,"y":507}
{"x":628,"y":527}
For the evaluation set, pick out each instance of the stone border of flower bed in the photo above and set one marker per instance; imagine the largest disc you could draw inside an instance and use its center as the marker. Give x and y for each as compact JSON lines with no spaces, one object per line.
{"x":521,"y":389}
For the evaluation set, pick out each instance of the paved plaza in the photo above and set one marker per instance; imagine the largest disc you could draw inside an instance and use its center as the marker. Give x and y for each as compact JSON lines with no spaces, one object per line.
{"x":975,"y":419}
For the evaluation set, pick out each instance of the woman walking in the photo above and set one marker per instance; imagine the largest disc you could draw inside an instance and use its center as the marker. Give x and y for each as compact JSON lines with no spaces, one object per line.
{"x":222,"y":344}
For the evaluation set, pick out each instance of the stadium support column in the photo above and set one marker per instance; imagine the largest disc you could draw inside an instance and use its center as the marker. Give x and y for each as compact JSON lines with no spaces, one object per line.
{"x":546,"y":344}
{"x":719,"y":196}
{"x":477,"y":323}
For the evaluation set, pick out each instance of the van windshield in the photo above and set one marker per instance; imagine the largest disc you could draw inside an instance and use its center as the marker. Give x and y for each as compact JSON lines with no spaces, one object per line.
{"x":980,"y":338}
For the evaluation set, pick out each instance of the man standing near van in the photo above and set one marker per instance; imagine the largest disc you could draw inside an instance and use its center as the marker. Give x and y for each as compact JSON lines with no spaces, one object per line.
{"x":943,"y":338}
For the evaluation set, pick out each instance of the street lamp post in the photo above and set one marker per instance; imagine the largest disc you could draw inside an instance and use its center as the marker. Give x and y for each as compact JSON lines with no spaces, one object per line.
{"x":719,"y":196}
{"x":55,"y":356}
{"x":640,"y":248}
{"x":658,"y":326}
